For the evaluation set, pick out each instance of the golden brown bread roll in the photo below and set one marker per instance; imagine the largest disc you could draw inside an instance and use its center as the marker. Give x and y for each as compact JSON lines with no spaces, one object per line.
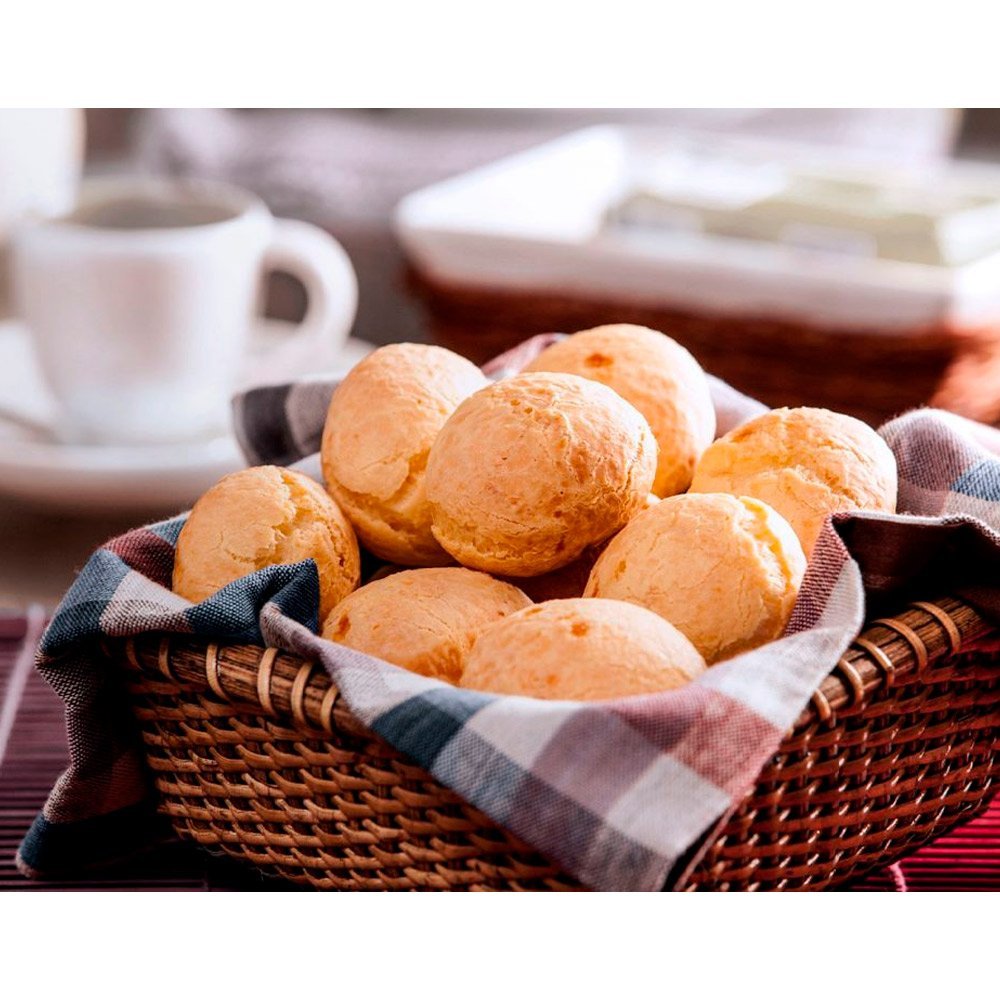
{"x":530,"y":471}
{"x":658,"y":377}
{"x":806,"y":463}
{"x":265,"y":516}
{"x":423,"y":619}
{"x":383,"y":419}
{"x":724,"y":570}
{"x":581,"y":650}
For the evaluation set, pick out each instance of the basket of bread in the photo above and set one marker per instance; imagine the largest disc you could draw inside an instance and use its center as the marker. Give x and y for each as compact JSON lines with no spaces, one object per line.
{"x":583,"y":619}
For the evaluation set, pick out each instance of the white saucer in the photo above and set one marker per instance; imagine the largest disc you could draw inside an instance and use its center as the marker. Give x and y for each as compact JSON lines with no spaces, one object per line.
{"x":160,"y":478}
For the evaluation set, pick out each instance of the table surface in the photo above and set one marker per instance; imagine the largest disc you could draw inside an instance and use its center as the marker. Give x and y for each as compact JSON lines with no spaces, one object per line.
{"x":33,"y":754}
{"x":43,"y":550}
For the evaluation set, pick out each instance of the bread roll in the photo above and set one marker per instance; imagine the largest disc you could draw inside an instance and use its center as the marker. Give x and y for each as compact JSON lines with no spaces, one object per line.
{"x":658,"y":377}
{"x":423,"y":619}
{"x":265,"y":516}
{"x":382,"y":421}
{"x":806,"y":463}
{"x":724,"y":570}
{"x":531,"y":470}
{"x":581,"y":650}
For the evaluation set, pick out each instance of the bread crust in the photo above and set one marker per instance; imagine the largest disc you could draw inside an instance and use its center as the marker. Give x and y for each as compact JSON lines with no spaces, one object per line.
{"x":423,"y":619}
{"x":806,"y":463}
{"x":381,"y":423}
{"x":724,"y":570}
{"x":581,"y":650}
{"x":659,"y":377}
{"x":265,"y":516}
{"x":530,"y":471}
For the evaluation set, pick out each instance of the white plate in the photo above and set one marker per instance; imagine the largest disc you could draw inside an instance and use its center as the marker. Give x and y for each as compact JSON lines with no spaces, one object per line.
{"x":159,"y":478}
{"x":535,"y":222}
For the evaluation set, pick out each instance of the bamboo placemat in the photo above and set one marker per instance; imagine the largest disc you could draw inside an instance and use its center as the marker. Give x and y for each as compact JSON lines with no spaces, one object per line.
{"x":33,"y":753}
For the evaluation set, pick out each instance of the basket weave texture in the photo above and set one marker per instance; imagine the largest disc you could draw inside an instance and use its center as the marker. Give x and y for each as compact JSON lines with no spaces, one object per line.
{"x":253,"y":753}
{"x":871,"y":374}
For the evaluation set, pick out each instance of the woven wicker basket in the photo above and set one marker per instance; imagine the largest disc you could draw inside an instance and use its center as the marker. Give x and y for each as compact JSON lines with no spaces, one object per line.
{"x":254,"y":754}
{"x":779,"y":362}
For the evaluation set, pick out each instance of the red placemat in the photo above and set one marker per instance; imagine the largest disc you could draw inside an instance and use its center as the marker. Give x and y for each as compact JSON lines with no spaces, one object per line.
{"x":33,"y":754}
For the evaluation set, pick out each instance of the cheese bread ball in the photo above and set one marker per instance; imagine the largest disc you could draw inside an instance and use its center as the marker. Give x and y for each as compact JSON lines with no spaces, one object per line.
{"x":531,"y":470}
{"x":423,"y":619}
{"x":265,"y":516}
{"x":725,"y":570}
{"x":806,"y":463}
{"x":581,"y":650}
{"x":382,"y":421}
{"x":658,"y":377}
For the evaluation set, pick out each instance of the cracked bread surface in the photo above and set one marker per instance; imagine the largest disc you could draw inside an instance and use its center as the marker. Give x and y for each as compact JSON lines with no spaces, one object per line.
{"x":382,"y":420}
{"x":530,"y":471}
{"x":581,"y":650}
{"x":423,"y":619}
{"x":806,"y":463}
{"x":659,"y":377}
{"x":724,"y":570}
{"x":265,"y":516}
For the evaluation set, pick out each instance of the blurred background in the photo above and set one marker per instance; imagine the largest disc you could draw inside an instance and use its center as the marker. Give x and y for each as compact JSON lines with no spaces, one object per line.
{"x":764,"y":288}
{"x":346,"y":170}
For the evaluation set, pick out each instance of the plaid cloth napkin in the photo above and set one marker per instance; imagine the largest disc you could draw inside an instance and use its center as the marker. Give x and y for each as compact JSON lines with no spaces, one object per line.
{"x":616,"y":792}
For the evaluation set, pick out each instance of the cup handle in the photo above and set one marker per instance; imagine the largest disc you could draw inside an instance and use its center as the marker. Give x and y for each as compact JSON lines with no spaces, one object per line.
{"x":314,"y":257}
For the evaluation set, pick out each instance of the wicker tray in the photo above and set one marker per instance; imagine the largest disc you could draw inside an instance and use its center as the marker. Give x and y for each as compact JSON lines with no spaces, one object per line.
{"x":781,"y":363}
{"x":253,"y":753}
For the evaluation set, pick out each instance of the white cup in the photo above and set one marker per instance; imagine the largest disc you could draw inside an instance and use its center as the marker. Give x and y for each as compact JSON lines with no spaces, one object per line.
{"x":140,"y":303}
